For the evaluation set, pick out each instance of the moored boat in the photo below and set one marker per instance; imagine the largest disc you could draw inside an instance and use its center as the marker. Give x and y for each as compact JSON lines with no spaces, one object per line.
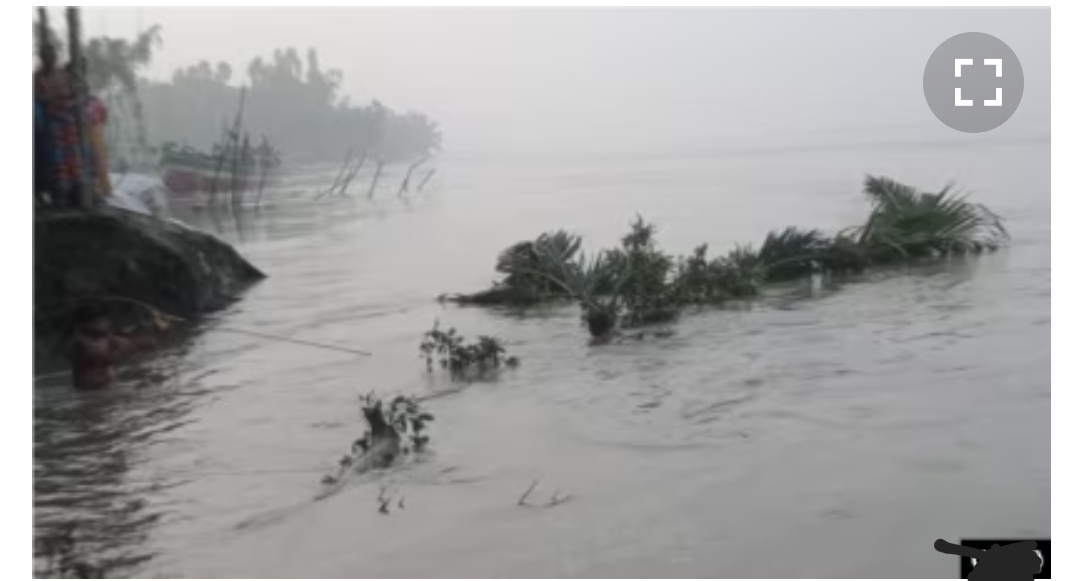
{"x":187,"y":171}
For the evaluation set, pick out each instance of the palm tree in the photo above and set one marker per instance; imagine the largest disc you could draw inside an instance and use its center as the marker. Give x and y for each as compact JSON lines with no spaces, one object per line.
{"x":114,"y":63}
{"x":905,"y":223}
{"x":530,"y":265}
{"x":792,"y":252}
{"x":596,"y":283}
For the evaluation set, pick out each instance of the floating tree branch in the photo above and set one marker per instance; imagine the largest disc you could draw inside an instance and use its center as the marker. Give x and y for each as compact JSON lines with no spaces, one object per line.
{"x":556,"y":498}
{"x":393,"y":430}
{"x":461,"y":358}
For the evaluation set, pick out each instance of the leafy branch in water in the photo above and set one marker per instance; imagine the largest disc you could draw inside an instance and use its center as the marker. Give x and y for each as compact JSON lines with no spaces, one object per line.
{"x":461,"y":358}
{"x":393,"y":430}
{"x":905,"y":223}
{"x":645,"y":291}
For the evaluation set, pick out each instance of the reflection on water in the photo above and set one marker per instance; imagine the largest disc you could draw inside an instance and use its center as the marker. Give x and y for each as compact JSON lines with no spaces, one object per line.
{"x":868,"y":413}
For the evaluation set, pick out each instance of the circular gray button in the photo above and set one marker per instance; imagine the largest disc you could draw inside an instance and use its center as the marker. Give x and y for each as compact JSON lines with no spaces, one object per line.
{"x":973,"y":82}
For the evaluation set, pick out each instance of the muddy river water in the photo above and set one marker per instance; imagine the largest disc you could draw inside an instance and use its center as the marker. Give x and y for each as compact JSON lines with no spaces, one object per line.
{"x":817,"y":432}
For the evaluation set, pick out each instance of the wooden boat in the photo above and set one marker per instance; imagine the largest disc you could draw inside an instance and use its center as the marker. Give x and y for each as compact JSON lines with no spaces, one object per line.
{"x":187,"y":171}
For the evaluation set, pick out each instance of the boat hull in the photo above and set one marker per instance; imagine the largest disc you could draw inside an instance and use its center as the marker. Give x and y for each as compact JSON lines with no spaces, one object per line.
{"x":188,"y":175}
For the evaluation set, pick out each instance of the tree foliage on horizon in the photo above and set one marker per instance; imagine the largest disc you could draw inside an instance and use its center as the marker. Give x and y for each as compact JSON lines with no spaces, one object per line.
{"x":295,"y":102}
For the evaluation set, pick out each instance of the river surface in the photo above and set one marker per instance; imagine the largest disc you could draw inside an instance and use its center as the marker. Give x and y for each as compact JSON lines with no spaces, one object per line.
{"x":832,"y":432}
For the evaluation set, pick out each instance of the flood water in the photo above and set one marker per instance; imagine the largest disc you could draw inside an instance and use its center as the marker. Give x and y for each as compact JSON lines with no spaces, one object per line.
{"x":813,"y":433}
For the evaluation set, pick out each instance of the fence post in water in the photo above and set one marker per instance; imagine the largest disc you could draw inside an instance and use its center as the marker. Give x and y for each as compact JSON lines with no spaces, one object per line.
{"x":352,"y":174}
{"x":265,"y":157}
{"x":424,"y":182}
{"x":375,"y":179}
{"x":231,"y":139}
{"x":408,"y":175}
{"x":337,"y":179}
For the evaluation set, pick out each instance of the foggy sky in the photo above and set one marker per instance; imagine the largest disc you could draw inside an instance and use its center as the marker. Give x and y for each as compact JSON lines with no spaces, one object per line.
{"x":555,"y":77}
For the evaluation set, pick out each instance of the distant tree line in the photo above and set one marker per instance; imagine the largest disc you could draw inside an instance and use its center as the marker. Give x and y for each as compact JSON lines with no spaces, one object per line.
{"x":296,"y":104}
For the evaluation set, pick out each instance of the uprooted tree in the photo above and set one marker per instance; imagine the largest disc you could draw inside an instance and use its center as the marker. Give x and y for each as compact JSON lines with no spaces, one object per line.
{"x":636,"y":283}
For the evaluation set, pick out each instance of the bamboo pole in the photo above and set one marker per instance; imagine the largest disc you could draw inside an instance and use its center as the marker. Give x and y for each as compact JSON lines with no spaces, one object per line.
{"x":231,"y":138}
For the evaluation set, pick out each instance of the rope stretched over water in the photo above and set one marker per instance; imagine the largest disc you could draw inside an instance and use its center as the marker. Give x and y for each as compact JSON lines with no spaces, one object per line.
{"x":161,"y":317}
{"x":159,"y":314}
{"x":296,"y":341}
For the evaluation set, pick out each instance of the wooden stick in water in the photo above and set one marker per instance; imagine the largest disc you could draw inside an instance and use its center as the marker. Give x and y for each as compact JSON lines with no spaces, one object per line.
{"x":375,"y":179}
{"x":427,"y":177}
{"x":341,"y":172}
{"x":521,"y":501}
{"x":352,"y":174}
{"x":408,"y":175}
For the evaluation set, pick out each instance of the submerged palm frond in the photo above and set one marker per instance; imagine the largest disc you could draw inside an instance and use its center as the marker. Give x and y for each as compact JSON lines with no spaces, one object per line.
{"x":739,"y":274}
{"x":559,"y":245}
{"x":792,"y":253}
{"x":527,"y":263}
{"x":907,"y":224}
{"x":597,"y":283}
{"x":513,"y":258}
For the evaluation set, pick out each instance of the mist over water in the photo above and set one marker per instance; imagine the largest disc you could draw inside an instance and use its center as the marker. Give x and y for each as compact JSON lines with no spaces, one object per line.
{"x":562,"y":79}
{"x":832,"y":432}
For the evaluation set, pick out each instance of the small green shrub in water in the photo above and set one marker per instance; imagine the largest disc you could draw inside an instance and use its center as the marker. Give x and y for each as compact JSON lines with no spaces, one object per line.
{"x":700,"y":281}
{"x":460,"y":358}
{"x":645,"y":292}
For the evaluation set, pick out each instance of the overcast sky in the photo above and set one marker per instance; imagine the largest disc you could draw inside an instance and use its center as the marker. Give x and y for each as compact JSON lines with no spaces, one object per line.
{"x":529,"y":76}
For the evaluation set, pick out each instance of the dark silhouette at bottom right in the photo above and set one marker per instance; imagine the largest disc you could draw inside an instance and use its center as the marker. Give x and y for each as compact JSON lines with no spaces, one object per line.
{"x":1012,"y":562}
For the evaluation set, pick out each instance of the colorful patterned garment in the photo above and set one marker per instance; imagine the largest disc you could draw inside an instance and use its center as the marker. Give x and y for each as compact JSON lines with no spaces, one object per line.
{"x":96,"y":115}
{"x":57,"y":96}
{"x":43,"y":152}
